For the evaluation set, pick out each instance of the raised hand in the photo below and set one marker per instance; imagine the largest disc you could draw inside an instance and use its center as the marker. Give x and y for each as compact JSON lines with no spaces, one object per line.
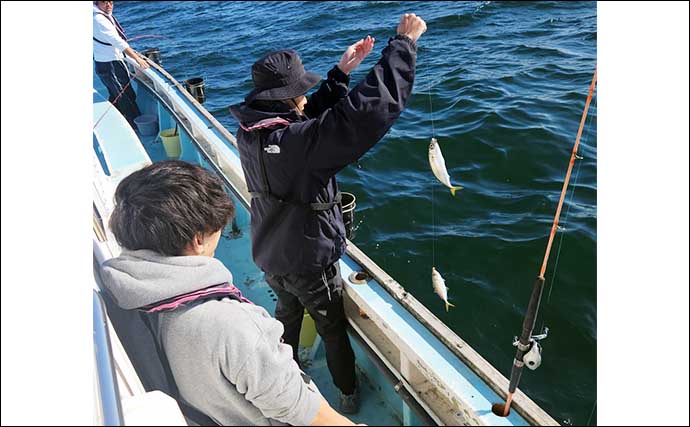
{"x":355,"y":54}
{"x":411,"y":26}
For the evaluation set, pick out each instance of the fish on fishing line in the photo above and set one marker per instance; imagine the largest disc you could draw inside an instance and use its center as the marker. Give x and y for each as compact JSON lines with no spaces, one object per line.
{"x":438,"y":166}
{"x":439,"y":285}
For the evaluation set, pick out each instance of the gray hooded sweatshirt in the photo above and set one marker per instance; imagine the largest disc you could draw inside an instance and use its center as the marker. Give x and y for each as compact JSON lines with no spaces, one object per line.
{"x":227,"y":357}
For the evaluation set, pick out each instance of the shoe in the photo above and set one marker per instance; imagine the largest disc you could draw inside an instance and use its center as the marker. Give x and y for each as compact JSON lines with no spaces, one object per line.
{"x":349,"y":403}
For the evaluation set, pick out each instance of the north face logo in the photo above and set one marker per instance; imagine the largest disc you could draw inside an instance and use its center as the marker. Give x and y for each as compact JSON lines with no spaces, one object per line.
{"x":272,"y":149}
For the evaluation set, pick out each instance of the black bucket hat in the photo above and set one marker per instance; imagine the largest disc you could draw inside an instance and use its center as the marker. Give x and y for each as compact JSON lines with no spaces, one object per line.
{"x":280,"y":75}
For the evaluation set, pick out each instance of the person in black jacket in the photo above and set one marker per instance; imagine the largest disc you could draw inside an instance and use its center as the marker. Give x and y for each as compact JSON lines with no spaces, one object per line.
{"x":291,"y":149}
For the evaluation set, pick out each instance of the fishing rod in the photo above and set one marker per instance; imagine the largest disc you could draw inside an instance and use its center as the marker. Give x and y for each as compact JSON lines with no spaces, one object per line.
{"x":528,"y":348}
{"x":148,"y":36}
{"x":133,"y":76}
{"x":124,"y":88}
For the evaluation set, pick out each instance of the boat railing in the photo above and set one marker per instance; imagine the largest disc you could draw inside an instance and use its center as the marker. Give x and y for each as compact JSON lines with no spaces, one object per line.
{"x":108,"y":407}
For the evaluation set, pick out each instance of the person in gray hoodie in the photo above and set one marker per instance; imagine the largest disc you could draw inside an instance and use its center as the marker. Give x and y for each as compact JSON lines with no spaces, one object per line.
{"x":225,"y":353}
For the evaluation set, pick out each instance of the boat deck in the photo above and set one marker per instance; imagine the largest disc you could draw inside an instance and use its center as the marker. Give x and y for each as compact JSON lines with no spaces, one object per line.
{"x":234,"y":251}
{"x":453,"y":392}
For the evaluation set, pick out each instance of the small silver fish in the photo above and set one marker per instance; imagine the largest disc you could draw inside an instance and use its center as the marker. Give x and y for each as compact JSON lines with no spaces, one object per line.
{"x":440,"y":286}
{"x":438,"y":166}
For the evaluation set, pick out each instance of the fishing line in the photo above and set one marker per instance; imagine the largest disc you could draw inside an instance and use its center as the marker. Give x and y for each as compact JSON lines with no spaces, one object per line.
{"x":131,"y":39}
{"x":431,"y":111}
{"x":433,"y":230}
{"x":567,"y":213}
{"x":592,"y":413}
{"x":435,"y":82}
{"x":524,"y":344}
{"x":570,"y":204}
{"x":433,"y":218}
{"x":112,"y":104}
{"x":148,"y":36}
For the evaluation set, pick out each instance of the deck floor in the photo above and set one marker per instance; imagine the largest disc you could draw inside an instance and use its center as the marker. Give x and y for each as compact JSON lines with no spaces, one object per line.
{"x":373,"y":410}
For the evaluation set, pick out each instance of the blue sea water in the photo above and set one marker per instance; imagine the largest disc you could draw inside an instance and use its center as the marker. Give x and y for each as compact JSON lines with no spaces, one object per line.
{"x":502,"y":86}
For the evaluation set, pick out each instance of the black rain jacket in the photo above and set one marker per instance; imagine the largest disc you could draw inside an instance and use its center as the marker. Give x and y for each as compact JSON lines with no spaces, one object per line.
{"x":290,"y":161}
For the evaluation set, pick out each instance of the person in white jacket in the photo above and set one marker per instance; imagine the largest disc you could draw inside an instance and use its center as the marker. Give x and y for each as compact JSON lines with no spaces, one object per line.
{"x":109,"y":45}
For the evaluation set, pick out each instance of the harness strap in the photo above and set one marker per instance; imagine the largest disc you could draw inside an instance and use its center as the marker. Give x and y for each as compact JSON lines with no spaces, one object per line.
{"x":317,"y":207}
{"x":116,"y":24}
{"x":266,"y":192}
{"x":119,"y":28}
{"x":265,"y":124}
{"x":190,"y":412}
{"x":212,"y":292}
{"x":264,"y":174}
{"x":101,"y":42}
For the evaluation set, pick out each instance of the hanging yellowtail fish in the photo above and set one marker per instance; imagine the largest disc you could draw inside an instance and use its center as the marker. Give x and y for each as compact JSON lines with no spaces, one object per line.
{"x":440,"y":286}
{"x":438,"y":166}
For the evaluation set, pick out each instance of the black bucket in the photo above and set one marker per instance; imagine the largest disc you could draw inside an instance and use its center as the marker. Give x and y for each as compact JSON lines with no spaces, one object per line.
{"x":154,"y":54}
{"x":348,"y":204}
{"x":195,"y":86}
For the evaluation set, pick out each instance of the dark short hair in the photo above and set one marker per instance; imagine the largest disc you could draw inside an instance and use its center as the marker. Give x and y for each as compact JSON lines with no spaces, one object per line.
{"x":164,"y":205}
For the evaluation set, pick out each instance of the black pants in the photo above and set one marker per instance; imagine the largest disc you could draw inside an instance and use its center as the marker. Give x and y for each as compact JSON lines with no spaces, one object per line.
{"x":324,"y":303}
{"x":115,"y":76}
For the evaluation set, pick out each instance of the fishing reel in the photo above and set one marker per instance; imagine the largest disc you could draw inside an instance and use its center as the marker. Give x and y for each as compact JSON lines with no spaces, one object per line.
{"x":532,"y":358}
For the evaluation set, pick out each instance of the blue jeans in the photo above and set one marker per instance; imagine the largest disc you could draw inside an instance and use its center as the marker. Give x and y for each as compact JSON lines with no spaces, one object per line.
{"x":115,"y":76}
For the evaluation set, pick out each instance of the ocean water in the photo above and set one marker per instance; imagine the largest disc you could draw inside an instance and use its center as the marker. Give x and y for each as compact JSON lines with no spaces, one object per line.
{"x":502,"y":86}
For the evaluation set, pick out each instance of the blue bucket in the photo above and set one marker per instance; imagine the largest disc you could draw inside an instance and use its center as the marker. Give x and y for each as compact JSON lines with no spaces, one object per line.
{"x":147,"y":124}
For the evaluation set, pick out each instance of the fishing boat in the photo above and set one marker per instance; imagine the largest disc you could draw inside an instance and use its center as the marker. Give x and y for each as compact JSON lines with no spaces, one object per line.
{"x":414,"y":370}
